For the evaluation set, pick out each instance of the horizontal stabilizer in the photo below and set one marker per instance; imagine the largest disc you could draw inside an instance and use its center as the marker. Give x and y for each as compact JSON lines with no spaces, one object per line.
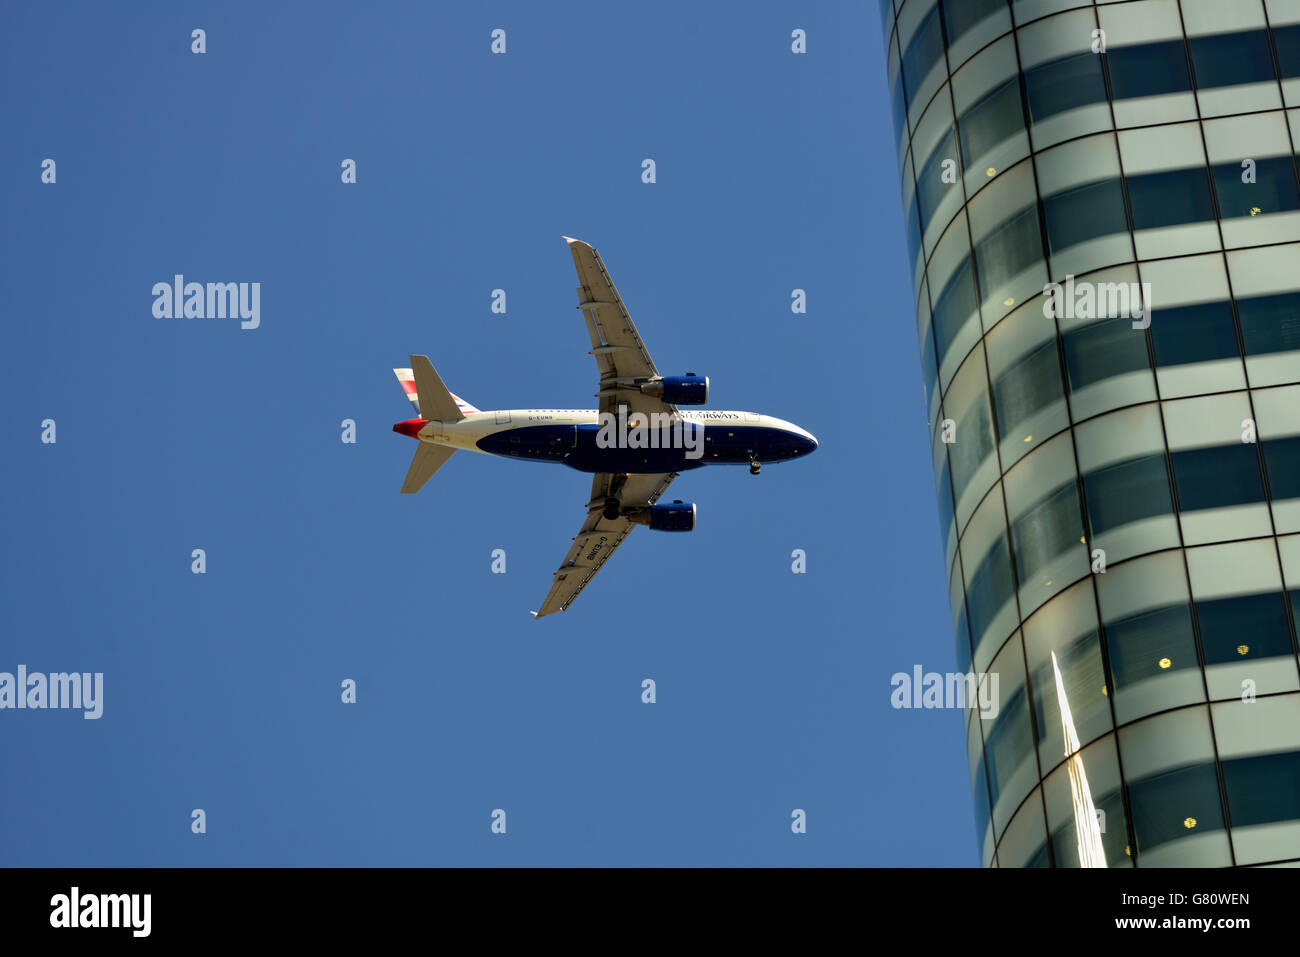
{"x":428,"y":459}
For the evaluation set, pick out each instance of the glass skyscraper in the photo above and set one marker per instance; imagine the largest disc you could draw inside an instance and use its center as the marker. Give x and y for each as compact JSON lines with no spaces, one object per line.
{"x":1117,"y":455}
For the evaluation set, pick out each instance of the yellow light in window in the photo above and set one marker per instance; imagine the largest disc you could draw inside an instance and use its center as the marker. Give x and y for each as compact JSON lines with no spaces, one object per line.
{"x":990,"y":172}
{"x":1104,"y":691}
{"x":1009,"y":301}
{"x":1029,"y":438}
{"x":1243,"y":649}
{"x":1164,"y":662}
{"x":1083,"y":539}
{"x":1189,"y":823}
{"x":1128,"y":851}
{"x":1255,"y":210}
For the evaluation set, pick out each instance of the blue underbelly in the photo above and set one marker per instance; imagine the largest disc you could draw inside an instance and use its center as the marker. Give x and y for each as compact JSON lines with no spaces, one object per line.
{"x":576,"y":447}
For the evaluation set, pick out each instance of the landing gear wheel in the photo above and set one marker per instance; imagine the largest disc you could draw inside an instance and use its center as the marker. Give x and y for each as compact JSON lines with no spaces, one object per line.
{"x":614,"y":497}
{"x":753,"y":468}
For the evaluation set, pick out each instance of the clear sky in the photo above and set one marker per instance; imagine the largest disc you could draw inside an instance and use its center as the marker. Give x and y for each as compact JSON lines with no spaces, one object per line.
{"x":775,"y":171}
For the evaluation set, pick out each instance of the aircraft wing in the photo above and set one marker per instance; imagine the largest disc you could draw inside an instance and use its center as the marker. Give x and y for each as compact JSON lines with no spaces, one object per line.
{"x":620,"y":354}
{"x":600,"y":536}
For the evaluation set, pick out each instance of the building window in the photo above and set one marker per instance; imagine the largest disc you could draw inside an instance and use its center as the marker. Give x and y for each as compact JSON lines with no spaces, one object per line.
{"x":1064,"y":84}
{"x":1010,"y":742}
{"x":1065,"y":840}
{"x":995,"y":118}
{"x":1270,"y":323}
{"x":899,"y":110}
{"x":1263,"y":788}
{"x":982,"y":816}
{"x":1226,"y":59}
{"x":945,"y":504}
{"x":931,"y":190}
{"x":1050,"y":528}
{"x":1170,"y":198}
{"x":1010,"y":249}
{"x":961,"y":15}
{"x":954,"y":306}
{"x":1084,"y":212}
{"x":1175,"y":804}
{"x":1287,"y":41}
{"x":962,"y":641}
{"x":1273,"y":191}
{"x":1217,"y":477}
{"x":1150,"y":645}
{"x":913,"y":233}
{"x":929,"y":369}
{"x":1083,"y":679}
{"x":1127,"y":492}
{"x":923,"y":52}
{"x":1150,"y":69}
{"x":1282,"y":459}
{"x":989,"y":589}
{"x":1103,"y":348}
{"x":1033,"y":383}
{"x":1197,"y":333}
{"x":974,"y":445}
{"x":1244,"y":628}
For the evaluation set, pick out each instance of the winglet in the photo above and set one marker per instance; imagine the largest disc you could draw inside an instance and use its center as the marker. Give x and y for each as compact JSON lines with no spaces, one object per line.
{"x":570,"y":240}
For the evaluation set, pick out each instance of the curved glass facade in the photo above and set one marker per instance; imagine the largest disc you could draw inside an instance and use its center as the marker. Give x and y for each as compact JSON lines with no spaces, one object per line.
{"x":1102,"y":208}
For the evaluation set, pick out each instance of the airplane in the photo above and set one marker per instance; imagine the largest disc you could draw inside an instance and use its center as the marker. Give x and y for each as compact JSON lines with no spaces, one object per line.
{"x":636,"y":443}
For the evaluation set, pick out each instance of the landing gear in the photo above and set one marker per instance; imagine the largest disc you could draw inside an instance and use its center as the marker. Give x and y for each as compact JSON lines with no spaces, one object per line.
{"x":754,"y":465}
{"x":613,"y":501}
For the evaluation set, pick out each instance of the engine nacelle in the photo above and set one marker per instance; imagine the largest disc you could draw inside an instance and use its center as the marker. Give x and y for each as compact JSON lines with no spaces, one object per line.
{"x":688,"y":389}
{"x":678,"y":516}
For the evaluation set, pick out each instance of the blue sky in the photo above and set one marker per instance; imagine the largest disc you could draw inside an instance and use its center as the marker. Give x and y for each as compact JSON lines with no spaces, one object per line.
{"x":222,"y":691}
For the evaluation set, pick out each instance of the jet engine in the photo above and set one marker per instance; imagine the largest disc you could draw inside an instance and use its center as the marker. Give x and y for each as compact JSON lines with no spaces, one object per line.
{"x":688,"y":389}
{"x":678,"y":516}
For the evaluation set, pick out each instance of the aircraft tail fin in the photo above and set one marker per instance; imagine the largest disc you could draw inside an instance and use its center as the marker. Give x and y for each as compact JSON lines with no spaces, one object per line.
{"x":406,"y":378}
{"x":425,"y":388}
{"x":428,"y":459}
